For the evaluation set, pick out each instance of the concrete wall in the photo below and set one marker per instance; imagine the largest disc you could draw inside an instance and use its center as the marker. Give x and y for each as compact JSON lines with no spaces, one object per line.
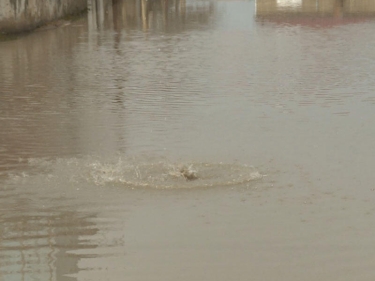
{"x":22,"y":15}
{"x":322,"y":7}
{"x":363,"y":6}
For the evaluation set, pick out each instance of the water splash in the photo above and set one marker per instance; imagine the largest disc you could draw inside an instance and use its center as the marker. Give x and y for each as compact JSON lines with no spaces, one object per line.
{"x":135,"y":173}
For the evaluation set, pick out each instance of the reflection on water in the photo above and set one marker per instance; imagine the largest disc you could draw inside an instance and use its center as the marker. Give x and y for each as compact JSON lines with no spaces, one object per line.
{"x":35,"y":97}
{"x":37,"y":238}
{"x":162,"y":15}
{"x":276,"y":119}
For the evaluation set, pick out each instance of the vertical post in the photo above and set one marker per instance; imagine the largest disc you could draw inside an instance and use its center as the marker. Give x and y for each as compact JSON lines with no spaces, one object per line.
{"x":144,"y":14}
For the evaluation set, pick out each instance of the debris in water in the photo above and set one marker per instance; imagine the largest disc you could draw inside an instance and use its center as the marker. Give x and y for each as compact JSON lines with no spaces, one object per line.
{"x":186,"y":172}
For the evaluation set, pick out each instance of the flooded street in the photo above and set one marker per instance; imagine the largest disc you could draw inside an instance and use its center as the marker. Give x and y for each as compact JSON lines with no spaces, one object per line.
{"x":191,"y":140}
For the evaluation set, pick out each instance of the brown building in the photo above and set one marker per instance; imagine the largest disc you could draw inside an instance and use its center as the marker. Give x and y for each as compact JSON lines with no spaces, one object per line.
{"x":315,"y":7}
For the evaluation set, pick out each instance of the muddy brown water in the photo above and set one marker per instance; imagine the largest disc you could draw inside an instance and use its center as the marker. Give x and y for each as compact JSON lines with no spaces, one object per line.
{"x":270,"y":103}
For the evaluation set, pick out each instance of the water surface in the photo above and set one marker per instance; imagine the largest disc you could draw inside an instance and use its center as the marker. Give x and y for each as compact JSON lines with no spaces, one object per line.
{"x":271,"y":103}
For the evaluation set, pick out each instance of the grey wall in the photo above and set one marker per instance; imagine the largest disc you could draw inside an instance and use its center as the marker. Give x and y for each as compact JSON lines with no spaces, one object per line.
{"x":22,"y":15}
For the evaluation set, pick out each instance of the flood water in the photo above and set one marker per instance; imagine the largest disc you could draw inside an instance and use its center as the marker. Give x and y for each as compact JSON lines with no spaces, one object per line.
{"x":191,"y":140}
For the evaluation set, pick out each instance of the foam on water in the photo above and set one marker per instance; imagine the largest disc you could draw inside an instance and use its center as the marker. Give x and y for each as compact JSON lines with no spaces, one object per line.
{"x":134,"y":173}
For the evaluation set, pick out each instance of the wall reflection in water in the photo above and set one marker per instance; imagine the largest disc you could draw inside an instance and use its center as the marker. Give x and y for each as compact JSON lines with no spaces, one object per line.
{"x":336,"y":8}
{"x":51,"y":101}
{"x":162,"y":15}
{"x":37,"y":243}
{"x":35,"y":96}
